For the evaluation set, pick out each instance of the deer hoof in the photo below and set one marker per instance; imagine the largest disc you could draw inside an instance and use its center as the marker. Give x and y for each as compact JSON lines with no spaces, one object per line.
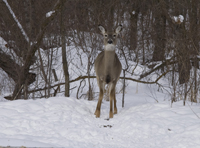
{"x":115,"y":111}
{"x":97,"y":113}
{"x":111,"y":115}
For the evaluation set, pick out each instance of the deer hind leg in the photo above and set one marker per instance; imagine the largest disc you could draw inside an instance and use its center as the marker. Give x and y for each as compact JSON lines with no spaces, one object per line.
{"x":98,"y":108}
{"x":115,"y":106}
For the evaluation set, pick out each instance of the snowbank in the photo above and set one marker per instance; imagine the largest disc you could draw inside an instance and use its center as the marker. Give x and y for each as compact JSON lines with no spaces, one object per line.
{"x":68,"y":122}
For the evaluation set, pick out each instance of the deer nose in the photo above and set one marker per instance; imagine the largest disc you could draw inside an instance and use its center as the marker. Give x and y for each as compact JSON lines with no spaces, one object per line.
{"x":110,"y":41}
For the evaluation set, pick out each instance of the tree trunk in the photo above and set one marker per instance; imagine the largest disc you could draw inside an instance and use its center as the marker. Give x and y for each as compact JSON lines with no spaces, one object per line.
{"x":24,"y":71}
{"x":194,"y":27}
{"x":133,"y":28}
{"x":64,"y":58}
{"x":160,"y":28}
{"x":90,"y":94}
{"x":183,"y":54}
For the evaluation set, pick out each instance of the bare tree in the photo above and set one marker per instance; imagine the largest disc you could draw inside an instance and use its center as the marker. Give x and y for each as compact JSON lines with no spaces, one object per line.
{"x":64,"y":56}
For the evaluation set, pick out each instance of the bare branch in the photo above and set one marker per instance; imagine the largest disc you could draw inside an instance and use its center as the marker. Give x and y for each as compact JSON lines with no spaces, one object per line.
{"x":86,"y":77}
{"x":165,"y":63}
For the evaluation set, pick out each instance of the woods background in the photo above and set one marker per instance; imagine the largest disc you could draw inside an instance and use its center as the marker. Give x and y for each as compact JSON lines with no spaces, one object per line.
{"x":154,"y":36}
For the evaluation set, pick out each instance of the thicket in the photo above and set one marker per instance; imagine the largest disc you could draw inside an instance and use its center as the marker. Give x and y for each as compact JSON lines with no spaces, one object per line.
{"x":162,"y":35}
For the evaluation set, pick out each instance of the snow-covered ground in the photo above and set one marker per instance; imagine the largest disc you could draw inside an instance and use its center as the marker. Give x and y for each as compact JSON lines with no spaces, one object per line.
{"x":68,"y":122}
{"x":148,"y":120}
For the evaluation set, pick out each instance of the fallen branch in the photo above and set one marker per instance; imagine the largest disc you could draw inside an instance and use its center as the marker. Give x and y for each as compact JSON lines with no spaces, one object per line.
{"x":85,"y":77}
{"x":30,"y":53}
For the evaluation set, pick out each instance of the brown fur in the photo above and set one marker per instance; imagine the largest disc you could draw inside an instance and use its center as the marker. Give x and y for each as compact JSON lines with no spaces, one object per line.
{"x":108,"y":69}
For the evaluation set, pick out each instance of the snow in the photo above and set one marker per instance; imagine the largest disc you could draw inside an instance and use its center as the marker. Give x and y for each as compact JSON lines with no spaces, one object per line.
{"x":49,"y":13}
{"x":181,"y":18}
{"x":178,"y":19}
{"x":15,"y":18}
{"x":147,"y":120}
{"x":68,"y":122}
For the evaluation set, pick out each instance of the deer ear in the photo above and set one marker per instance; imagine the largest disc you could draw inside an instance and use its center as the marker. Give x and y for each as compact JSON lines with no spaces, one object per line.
{"x":102,"y":29}
{"x":118,"y":29}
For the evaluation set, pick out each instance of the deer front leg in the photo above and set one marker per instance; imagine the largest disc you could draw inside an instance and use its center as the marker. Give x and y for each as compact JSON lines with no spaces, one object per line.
{"x":97,"y":112}
{"x":112,"y":94}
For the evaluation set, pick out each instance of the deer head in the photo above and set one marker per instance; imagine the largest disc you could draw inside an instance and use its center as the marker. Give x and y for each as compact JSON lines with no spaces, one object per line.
{"x":110,"y":37}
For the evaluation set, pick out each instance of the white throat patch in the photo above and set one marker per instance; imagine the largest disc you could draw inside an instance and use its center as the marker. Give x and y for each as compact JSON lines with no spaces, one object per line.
{"x":110,"y":47}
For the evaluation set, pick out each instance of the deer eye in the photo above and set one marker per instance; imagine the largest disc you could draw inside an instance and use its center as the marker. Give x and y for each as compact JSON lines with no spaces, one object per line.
{"x":106,"y":35}
{"x":114,"y":35}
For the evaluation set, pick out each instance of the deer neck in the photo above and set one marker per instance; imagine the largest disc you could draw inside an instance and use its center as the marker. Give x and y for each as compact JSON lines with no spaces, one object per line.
{"x":109,"y":47}
{"x":109,"y":59}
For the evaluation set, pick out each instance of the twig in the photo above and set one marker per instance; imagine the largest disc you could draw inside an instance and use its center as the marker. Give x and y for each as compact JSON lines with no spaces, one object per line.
{"x":192,"y":110}
{"x":165,"y":63}
{"x":18,"y":92}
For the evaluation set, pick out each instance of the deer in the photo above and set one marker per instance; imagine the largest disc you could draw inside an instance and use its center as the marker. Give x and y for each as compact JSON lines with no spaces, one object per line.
{"x":108,"y":68}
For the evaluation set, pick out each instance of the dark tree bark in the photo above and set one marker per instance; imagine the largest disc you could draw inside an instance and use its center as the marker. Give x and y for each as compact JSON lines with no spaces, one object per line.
{"x":13,"y":69}
{"x":160,"y":28}
{"x":27,"y":52}
{"x":64,"y":55}
{"x":183,"y":54}
{"x":133,"y":27}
